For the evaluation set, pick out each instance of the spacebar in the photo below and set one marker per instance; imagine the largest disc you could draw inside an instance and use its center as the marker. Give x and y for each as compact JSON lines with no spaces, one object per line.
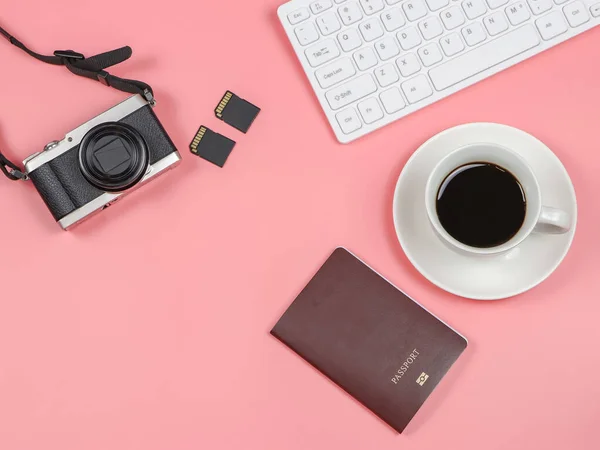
{"x":484,"y":57}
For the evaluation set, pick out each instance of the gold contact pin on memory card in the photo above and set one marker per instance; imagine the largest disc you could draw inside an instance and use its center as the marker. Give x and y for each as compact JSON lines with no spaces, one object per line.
{"x":223,"y":104}
{"x":197,"y":139}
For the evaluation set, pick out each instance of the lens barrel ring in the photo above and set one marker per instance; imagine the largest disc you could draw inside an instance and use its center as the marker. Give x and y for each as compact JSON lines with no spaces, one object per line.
{"x":113,"y":156}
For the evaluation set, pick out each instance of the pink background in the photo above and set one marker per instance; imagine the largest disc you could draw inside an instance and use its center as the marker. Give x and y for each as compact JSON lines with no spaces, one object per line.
{"x":147,"y":328}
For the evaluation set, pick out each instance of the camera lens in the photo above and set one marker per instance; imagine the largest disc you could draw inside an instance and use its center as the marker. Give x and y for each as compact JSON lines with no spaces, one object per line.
{"x":113,"y":156}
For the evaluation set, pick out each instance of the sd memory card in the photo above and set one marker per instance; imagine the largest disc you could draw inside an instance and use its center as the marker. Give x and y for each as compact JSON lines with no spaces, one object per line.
{"x":211,"y":146}
{"x":236,"y":111}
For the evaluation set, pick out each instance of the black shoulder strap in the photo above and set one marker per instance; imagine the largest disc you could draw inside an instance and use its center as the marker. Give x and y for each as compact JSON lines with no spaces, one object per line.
{"x":92,"y":68}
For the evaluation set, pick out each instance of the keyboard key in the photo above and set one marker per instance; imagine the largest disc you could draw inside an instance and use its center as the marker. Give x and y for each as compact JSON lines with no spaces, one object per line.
{"x":431,"y":27}
{"x":328,"y":23}
{"x":392,"y":100}
{"x":495,"y":23}
{"x":452,"y":44}
{"x":348,"y":120}
{"x":320,"y":6}
{"x":349,"y":39}
{"x":333,"y":73}
{"x":434,"y":5}
{"x":393,"y":19}
{"x":322,"y":52}
{"x":365,"y":58}
{"x":372,"y":6}
{"x":392,"y":2}
{"x":484,"y":57}
{"x":350,"y":13}
{"x":474,"y":8}
{"x":540,"y":6}
{"x":409,"y":38}
{"x":518,"y":13}
{"x":560,"y":2}
{"x":493,"y":4}
{"x":370,"y":110}
{"x":430,"y":54}
{"x":298,"y":16}
{"x":371,"y":30}
{"x":414,"y":9}
{"x":576,"y":13}
{"x":386,"y":75}
{"x":551,"y":25}
{"x":474,"y":34}
{"x":351,"y":91}
{"x":595,"y":10}
{"x":408,"y":64}
{"x":387,"y":48}
{"x":417,"y":88}
{"x":453,"y":18}
{"x":306,"y":34}
{"x":339,"y":1}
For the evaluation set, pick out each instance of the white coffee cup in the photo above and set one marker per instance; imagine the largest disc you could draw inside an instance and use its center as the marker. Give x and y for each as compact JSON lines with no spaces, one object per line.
{"x":538,"y":218}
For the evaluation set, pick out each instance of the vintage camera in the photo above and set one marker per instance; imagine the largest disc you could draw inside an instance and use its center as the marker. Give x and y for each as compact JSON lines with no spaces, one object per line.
{"x":101,"y":161}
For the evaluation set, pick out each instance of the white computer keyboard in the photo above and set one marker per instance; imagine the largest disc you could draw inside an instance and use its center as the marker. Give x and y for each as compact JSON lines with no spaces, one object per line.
{"x":372,"y":62}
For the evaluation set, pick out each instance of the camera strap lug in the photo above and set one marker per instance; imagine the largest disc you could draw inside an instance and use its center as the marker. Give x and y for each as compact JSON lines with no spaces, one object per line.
{"x":19,"y":175}
{"x":149,"y":97}
{"x":11,"y":170}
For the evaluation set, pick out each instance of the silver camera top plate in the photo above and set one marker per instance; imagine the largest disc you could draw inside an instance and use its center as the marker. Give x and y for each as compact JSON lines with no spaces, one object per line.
{"x":74,"y":137}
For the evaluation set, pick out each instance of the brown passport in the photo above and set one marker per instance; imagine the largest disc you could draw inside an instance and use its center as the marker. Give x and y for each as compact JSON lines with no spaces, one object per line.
{"x":369,"y":338}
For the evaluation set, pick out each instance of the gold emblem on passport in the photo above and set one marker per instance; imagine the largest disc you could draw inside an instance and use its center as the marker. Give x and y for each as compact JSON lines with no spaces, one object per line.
{"x":422,"y":379}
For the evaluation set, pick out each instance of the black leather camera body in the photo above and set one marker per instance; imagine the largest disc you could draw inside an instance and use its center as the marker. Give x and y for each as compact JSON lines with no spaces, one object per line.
{"x":101,"y":161}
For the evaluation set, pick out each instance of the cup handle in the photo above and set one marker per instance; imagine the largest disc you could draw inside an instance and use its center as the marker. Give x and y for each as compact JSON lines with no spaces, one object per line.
{"x":553,"y":221}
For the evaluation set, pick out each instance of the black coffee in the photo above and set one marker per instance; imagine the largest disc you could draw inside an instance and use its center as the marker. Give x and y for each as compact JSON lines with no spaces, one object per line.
{"x":481,"y":205}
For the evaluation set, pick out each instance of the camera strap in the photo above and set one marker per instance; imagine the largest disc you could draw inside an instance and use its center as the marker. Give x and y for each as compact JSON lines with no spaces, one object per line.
{"x":93,"y":68}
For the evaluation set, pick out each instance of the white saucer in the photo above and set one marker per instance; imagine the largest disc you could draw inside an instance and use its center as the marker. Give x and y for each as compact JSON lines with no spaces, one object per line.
{"x":489,"y":278}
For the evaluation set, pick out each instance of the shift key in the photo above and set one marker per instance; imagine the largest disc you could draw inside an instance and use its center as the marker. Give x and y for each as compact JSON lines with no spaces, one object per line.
{"x":351,"y":91}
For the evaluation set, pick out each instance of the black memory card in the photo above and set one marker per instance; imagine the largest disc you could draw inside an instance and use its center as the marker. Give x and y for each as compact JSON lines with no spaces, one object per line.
{"x":236,"y":111}
{"x":211,"y":146}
